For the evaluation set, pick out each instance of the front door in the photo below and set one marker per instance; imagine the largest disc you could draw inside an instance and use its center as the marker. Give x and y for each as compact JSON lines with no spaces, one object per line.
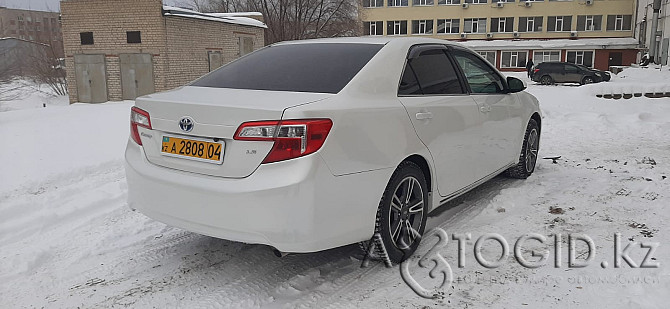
{"x":573,"y":74}
{"x":499,"y":140}
{"x":615,"y":58}
{"x":91,"y":78}
{"x":445,"y":118}
{"x":137,"y":75}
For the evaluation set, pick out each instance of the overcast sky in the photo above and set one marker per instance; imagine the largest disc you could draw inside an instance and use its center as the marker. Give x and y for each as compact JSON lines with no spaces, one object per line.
{"x":41,"y":5}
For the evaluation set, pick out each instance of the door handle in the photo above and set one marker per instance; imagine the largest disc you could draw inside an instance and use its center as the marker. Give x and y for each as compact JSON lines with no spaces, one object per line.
{"x":424,"y":115}
{"x":485,"y":109}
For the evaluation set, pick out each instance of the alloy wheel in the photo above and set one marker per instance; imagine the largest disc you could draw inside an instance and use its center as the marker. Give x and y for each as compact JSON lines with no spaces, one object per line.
{"x":532,"y":146}
{"x":407,"y":211}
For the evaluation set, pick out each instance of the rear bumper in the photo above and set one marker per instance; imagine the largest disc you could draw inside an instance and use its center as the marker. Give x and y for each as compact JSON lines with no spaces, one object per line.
{"x":294,"y":206}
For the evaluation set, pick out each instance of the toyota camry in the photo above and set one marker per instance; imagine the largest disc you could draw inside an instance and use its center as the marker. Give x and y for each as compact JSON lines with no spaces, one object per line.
{"x":315,"y":144}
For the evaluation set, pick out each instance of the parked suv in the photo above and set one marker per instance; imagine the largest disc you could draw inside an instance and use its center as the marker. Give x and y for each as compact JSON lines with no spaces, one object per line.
{"x":548,"y":73}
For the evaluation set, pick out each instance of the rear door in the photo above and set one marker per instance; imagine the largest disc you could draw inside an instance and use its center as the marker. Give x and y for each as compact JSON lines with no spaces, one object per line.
{"x":445,"y":118}
{"x":499,"y":113}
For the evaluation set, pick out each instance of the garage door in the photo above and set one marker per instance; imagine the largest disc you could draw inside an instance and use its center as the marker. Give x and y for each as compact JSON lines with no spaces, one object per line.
{"x":91,"y":78}
{"x":137,"y":75}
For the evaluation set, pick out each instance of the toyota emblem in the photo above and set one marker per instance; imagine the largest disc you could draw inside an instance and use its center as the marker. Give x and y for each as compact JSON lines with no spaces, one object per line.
{"x":186,"y":124}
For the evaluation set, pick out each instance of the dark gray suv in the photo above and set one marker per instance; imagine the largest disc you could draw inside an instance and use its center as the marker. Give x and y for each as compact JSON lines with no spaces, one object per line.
{"x":548,"y":73}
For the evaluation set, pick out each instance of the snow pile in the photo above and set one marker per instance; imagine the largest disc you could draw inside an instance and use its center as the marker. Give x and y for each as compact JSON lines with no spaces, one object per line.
{"x":651,"y":79}
{"x":67,"y":238}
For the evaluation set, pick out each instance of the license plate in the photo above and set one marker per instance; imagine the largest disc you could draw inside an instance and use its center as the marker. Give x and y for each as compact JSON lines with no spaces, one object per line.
{"x":193,"y":149}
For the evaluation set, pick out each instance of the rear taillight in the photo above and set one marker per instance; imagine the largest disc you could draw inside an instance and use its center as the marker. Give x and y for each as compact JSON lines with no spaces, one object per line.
{"x":292,"y":138}
{"x":535,"y":71}
{"x":138,"y":117}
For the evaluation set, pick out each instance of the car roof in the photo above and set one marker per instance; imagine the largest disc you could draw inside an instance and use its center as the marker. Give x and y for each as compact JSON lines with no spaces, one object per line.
{"x":375,"y":40}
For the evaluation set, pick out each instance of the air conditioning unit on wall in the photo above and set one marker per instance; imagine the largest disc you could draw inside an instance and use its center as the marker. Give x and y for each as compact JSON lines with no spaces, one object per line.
{"x":500,"y":4}
{"x":516,"y":34}
{"x":489,"y":35}
{"x":465,"y":5}
{"x":588,"y":2}
{"x":464,"y":35}
{"x":573,"y":34}
{"x":528,"y":4}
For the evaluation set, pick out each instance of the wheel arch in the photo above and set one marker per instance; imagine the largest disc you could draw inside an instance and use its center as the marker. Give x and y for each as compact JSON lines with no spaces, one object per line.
{"x":425,"y":168}
{"x":536,"y":116}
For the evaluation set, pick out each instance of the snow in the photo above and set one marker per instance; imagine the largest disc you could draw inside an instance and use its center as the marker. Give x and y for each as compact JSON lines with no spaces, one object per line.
{"x":598,"y":43}
{"x":67,"y":238}
{"x":23,"y":94}
{"x":220,"y":17}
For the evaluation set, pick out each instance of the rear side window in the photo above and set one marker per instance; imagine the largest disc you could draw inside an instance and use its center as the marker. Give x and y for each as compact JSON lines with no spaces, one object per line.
{"x":315,"y":67}
{"x":430,"y":73}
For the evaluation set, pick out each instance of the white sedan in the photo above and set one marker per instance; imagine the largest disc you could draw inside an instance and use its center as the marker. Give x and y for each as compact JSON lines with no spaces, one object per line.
{"x":311,"y":145}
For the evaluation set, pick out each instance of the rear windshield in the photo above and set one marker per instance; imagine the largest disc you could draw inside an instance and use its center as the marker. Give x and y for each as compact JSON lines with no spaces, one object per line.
{"x":315,"y":67}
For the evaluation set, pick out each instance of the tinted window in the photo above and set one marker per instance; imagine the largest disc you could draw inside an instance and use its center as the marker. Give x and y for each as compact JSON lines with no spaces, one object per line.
{"x":481,"y":77}
{"x":430,"y":72}
{"x":571,"y":68}
{"x":316,"y":67}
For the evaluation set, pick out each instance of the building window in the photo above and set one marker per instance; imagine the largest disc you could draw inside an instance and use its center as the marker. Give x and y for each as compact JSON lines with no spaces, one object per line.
{"x":513,"y":59}
{"x":589,"y":22}
{"x":422,"y":27}
{"x":476,"y":1}
{"x":530,"y":24}
{"x":559,"y":23}
{"x":445,"y":2}
{"x":422,"y":2}
{"x":86,"y":38}
{"x":502,"y":24}
{"x":396,"y":27}
{"x":373,"y":27}
{"x":474,"y":25}
{"x":619,"y":22}
{"x":396,"y":3}
{"x":583,"y":57}
{"x":445,"y":26}
{"x":133,"y":37}
{"x":490,"y":56}
{"x":373,"y":3}
{"x":544,"y":56}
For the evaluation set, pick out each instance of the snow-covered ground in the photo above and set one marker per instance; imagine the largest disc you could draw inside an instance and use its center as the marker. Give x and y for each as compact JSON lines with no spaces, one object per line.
{"x":67,"y":238}
{"x":24,"y":94}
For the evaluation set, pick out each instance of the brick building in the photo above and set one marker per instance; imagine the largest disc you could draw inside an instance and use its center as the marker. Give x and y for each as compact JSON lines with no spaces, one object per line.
{"x":36,"y":26}
{"x":122,"y":49}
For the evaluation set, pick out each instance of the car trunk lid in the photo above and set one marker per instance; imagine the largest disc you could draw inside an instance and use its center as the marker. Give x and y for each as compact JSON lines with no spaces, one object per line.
{"x":215,"y":115}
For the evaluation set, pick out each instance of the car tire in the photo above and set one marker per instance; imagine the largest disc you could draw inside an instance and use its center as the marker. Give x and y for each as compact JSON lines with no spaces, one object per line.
{"x":546,"y":80}
{"x":587,"y":80}
{"x":528,"y":158}
{"x":397,"y":213}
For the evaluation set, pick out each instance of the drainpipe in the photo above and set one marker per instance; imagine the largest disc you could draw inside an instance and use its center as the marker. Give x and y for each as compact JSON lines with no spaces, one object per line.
{"x":654,"y":29}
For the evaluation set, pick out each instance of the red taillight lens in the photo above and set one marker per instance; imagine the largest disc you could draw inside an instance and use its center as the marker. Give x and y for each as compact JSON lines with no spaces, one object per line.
{"x":292,"y":138}
{"x":535,"y":71}
{"x":138,"y":117}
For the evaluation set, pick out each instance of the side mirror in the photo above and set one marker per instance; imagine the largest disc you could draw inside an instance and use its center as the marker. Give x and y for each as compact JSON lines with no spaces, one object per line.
{"x":515,"y":84}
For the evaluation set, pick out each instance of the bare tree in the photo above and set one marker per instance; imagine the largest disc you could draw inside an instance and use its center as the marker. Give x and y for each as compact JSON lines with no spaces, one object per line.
{"x":45,"y":68}
{"x":293,"y":19}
